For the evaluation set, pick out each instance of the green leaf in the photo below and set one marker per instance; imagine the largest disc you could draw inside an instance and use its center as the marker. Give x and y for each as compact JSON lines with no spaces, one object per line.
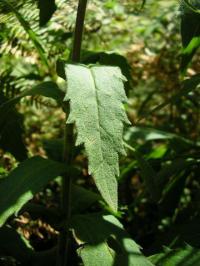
{"x":99,"y":255}
{"x":187,"y":256}
{"x":145,"y":134}
{"x":105,"y":234}
{"x":111,"y":59}
{"x":96,"y":95}
{"x":47,"y":89}
{"x":190,"y":32}
{"x":47,"y":8}
{"x":29,"y":178}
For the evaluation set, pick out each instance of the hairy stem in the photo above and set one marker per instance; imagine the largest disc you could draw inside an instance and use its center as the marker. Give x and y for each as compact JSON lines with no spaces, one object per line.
{"x":63,"y":245}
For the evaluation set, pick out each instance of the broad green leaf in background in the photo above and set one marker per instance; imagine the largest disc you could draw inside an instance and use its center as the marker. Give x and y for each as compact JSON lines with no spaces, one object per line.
{"x":186,"y":256}
{"x":29,"y":178}
{"x":47,"y":8}
{"x":96,"y":96}
{"x":190,"y":30}
{"x":143,"y":134}
{"x":47,"y":89}
{"x":104,"y":235}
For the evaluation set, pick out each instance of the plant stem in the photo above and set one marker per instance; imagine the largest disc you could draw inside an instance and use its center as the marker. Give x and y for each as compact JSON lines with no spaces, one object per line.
{"x":63,"y":244}
{"x":78,"y":33}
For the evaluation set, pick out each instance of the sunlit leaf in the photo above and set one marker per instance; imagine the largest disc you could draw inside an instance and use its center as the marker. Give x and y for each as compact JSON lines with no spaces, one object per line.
{"x":96,"y":95}
{"x":104,"y":237}
{"x":24,"y":182}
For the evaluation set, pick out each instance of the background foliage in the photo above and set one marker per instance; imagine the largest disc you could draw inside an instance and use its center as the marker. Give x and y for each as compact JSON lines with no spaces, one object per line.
{"x":156,"y":47}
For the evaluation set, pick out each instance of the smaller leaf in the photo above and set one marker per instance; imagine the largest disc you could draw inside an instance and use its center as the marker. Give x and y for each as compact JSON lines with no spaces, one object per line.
{"x":29,"y":178}
{"x":47,"y":89}
{"x":105,"y":235}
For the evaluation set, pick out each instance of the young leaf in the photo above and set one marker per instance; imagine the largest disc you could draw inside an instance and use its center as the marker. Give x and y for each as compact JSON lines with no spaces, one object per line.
{"x":104,"y":235}
{"x":96,"y":95}
{"x":24,"y":182}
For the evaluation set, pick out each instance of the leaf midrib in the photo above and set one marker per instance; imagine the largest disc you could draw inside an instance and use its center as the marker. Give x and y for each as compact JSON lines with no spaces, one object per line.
{"x":98,"y":112}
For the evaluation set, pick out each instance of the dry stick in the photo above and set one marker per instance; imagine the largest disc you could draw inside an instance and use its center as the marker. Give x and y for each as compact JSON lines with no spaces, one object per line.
{"x":63,"y":245}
